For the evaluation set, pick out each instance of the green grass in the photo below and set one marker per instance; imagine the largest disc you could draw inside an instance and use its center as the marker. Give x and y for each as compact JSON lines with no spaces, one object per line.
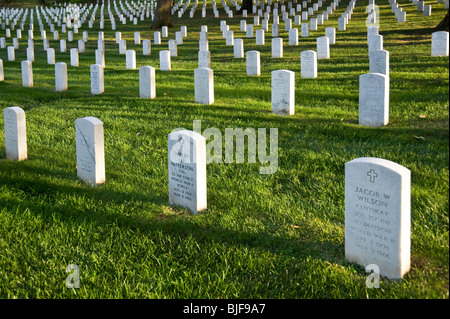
{"x":262,"y":236}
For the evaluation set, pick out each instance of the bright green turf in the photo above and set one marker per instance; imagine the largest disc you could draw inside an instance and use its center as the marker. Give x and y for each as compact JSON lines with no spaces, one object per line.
{"x":262,"y":236}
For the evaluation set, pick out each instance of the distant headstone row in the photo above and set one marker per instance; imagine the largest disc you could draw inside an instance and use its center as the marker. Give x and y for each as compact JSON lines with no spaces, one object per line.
{"x":68,"y":16}
{"x":374,"y":86}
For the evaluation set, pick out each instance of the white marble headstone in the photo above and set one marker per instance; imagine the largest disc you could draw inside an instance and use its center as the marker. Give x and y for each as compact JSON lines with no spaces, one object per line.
{"x":187,"y":170}
{"x":62,"y":45}
{"x":16,"y":43}
{"x":439,"y":43}
{"x":183,"y":30}
{"x":130,"y":62}
{"x":97,"y":79}
{"x":293,"y":36}
{"x":45,"y":44}
{"x":146,"y":47}
{"x":341,"y":24}
{"x":277,"y":47}
{"x":401,"y":17}
{"x":11,"y":53}
{"x":90,"y":150}
{"x":275,"y":30}
{"x":260,"y":38}
{"x":204,"y":59}
{"x":137,"y":37}
{"x":164,"y":31}
{"x":27,"y":73}
{"x":372,"y":30}
{"x":249,"y":31}
{"x":30,"y":54}
{"x":283,"y":92}
{"x":81,"y":46}
{"x":305,"y":29}
{"x":203,"y":44}
{"x":308,"y":64}
{"x":373,"y":99}
{"x":378,"y":215}
{"x":179,"y":37}
{"x":15,"y":133}
{"x":330,"y":32}
{"x":122,"y":46}
{"x":100,"y":57}
{"x":204,"y":85}
{"x":164,"y":60}
{"x":238,"y":48}
{"x":313,"y":24}
{"x":2,"y":73}
{"x":375,"y":43}
{"x":323,"y":47}
{"x":74,"y":57}
{"x":253,"y":62}
{"x":173,"y":48}
{"x":157,"y":37}
{"x":243,"y":25}
{"x":379,"y":62}
{"x":147,"y":87}
{"x":287,"y":24}
{"x":50,"y":56}
{"x":60,"y":76}
{"x":427,"y":10}
{"x":118,"y":36}
{"x":304,"y":15}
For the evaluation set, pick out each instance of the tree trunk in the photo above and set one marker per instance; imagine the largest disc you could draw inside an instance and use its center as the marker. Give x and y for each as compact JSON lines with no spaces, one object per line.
{"x":162,"y":16}
{"x":443,"y":26}
{"x":246,"y":5}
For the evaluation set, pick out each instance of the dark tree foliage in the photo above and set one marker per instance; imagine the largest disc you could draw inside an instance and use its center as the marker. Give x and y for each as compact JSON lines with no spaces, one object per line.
{"x":162,"y":16}
{"x":246,"y":5}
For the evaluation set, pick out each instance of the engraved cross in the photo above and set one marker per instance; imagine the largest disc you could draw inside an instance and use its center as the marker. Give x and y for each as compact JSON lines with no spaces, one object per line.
{"x":372,"y":175}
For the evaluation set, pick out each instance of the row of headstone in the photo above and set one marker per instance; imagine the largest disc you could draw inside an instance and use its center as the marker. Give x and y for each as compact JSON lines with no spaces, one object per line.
{"x":73,"y":18}
{"x":400,"y":15}
{"x":70,"y":20}
{"x":374,"y":86}
{"x":305,"y":27}
{"x":374,"y":98}
{"x":89,"y":144}
{"x":377,"y":191}
{"x":75,"y":51}
{"x":203,"y":79}
{"x":78,"y":22}
{"x":122,"y":46}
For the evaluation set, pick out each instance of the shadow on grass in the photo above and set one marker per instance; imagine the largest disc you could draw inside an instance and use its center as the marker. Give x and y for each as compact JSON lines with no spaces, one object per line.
{"x":178,"y":224}
{"x":80,"y":188}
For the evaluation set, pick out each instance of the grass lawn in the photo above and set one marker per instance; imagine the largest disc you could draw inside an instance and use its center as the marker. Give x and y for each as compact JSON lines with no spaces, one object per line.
{"x":262,"y":236}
